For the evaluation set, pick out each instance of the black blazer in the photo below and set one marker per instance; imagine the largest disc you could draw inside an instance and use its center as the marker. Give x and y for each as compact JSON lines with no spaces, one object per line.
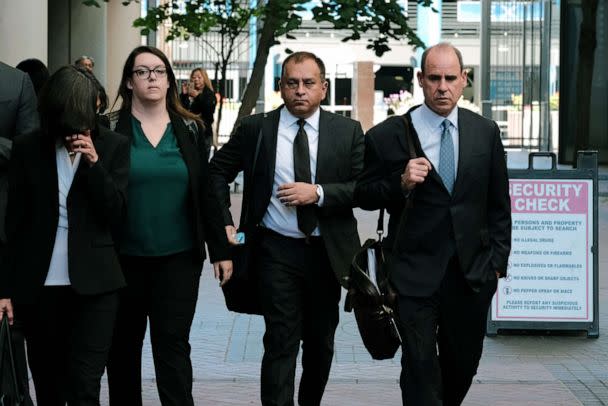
{"x":474,"y":222}
{"x":96,"y":205}
{"x":204,"y":208}
{"x":339,"y":163}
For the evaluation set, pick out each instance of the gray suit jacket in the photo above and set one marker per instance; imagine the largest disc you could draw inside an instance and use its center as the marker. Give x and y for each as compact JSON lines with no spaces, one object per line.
{"x":18,"y":103}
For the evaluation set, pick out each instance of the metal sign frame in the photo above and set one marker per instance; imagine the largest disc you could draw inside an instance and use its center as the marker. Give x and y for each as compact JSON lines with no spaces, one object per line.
{"x":586,"y":169}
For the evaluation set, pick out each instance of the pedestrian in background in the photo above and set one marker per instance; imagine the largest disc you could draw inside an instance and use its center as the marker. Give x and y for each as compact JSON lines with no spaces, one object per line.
{"x":85,"y":62}
{"x":198,"y":96}
{"x":60,"y":274}
{"x":446,"y":260}
{"x":299,"y":220}
{"x":170,"y":217}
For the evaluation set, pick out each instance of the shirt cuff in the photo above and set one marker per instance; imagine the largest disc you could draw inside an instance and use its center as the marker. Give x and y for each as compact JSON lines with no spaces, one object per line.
{"x":321,"y":195}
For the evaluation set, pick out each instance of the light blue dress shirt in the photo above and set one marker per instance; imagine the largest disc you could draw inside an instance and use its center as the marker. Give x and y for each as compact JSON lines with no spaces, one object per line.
{"x":427,"y":124}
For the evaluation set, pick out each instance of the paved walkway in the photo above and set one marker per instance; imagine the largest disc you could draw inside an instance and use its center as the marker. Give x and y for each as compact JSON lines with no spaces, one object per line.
{"x":540,"y":369}
{"x":535,"y":369}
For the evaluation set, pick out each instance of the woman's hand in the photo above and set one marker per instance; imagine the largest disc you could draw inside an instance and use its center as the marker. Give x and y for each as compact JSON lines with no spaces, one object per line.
{"x":6,"y":307}
{"x":84,"y":144}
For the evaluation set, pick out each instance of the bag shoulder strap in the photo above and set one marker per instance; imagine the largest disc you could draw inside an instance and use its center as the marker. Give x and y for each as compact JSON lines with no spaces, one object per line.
{"x":255,"y":160}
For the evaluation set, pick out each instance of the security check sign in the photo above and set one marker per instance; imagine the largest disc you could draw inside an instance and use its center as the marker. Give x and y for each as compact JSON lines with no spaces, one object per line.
{"x":550,"y":274}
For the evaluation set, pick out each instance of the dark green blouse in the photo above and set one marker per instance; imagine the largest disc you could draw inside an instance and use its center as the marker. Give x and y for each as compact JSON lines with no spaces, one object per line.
{"x":157,"y":209}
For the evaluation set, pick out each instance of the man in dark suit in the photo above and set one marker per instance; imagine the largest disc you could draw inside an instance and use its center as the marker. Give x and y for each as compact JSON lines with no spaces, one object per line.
{"x":454,"y":244}
{"x":297,"y":204}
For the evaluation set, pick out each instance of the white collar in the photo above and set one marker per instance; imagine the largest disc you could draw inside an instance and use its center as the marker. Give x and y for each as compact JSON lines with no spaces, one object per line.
{"x":289,"y":119}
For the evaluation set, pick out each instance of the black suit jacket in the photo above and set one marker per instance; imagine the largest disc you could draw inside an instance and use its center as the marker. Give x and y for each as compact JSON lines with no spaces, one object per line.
{"x":96,"y":205}
{"x":339,"y":163}
{"x":204,"y":208}
{"x":474,"y":222}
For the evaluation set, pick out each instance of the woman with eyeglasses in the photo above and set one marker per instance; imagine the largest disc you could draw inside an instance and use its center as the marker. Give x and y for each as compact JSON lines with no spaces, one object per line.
{"x":198,"y":97}
{"x":170,"y":216}
{"x":61,"y":275}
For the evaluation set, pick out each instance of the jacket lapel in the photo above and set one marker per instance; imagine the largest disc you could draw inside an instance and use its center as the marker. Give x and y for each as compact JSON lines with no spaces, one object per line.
{"x":48,"y":176}
{"x":465,"y":148}
{"x":270,"y":129}
{"x":324,"y":146}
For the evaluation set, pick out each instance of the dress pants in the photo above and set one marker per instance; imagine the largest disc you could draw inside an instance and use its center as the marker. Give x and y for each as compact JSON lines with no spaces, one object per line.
{"x":163,"y":290}
{"x":443,"y":340}
{"x":68,"y":339}
{"x":299,"y":296}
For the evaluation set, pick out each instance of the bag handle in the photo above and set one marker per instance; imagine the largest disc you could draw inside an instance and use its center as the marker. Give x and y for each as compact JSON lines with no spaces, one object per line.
{"x":6,"y":347}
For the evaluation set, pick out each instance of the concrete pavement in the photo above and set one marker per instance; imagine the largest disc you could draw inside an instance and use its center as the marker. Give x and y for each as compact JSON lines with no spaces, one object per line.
{"x":535,"y":369}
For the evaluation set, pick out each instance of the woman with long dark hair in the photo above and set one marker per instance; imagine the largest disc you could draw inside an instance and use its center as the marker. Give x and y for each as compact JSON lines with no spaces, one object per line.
{"x":170,"y":217}
{"x":61,"y":273}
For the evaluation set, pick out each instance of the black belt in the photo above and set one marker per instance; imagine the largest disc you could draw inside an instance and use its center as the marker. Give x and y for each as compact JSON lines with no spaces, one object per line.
{"x":313,"y":239}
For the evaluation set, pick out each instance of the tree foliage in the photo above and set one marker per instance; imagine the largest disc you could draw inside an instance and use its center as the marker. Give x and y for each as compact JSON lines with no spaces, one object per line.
{"x":387,"y":19}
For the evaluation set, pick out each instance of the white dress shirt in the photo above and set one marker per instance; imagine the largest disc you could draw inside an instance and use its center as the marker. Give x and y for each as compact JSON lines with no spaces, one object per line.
{"x":58,"y":274}
{"x":280,"y":218}
{"x":427,"y":124}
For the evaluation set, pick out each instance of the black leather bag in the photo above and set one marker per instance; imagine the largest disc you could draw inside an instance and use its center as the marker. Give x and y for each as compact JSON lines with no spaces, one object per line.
{"x":11,"y":393}
{"x":373,"y":299}
{"x":241,"y":291}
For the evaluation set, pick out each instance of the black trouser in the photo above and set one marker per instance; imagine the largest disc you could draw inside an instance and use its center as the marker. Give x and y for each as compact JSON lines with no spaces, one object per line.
{"x":299,"y":295}
{"x":165,"y":290}
{"x":68,"y":339}
{"x":452,"y":322}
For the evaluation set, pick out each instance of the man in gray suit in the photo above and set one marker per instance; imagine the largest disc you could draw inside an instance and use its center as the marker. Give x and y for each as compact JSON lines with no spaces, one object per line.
{"x":18,"y":115}
{"x":18,"y":111}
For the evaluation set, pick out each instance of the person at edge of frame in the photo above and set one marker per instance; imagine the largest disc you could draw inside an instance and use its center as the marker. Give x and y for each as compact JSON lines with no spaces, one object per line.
{"x":300,"y":201}
{"x":446,"y":259}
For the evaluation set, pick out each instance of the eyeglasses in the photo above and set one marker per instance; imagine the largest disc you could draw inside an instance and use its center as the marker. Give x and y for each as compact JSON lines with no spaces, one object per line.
{"x":295,"y":83}
{"x":144,"y":73}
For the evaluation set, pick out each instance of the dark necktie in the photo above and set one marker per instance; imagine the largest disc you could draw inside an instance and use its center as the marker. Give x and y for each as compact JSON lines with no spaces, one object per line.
{"x":307,"y":218}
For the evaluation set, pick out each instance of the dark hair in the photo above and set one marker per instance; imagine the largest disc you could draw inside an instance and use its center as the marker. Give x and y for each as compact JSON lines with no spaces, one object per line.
{"x":37,"y":71}
{"x":301,"y":56}
{"x":81,"y":59}
{"x":441,"y":45}
{"x":67,"y":103}
{"x":173,"y":104}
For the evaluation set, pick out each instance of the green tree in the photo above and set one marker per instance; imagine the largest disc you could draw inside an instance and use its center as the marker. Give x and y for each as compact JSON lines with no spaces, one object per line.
{"x":228,"y":19}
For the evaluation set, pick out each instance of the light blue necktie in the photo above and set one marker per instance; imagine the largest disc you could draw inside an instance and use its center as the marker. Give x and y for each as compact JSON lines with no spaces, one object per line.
{"x":446,"y":157}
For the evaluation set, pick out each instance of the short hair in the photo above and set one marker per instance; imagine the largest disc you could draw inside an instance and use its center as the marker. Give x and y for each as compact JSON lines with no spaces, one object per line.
{"x":82,"y":58}
{"x":301,"y":56}
{"x":68,"y":103}
{"x":441,"y":45}
{"x":37,"y":71}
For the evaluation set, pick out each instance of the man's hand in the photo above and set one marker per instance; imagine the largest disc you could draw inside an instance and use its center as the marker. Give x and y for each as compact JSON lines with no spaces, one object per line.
{"x":297,"y":194}
{"x":231,"y":235}
{"x":415,"y":172}
{"x":6,"y":306}
{"x":223,"y":271}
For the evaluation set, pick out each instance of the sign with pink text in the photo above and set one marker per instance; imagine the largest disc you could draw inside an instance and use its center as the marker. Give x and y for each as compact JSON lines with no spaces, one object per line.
{"x":550,"y":274}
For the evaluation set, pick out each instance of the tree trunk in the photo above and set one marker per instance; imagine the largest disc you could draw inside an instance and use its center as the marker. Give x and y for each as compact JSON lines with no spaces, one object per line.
{"x":266,"y":41}
{"x":586,"y":51}
{"x":222,"y":93}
